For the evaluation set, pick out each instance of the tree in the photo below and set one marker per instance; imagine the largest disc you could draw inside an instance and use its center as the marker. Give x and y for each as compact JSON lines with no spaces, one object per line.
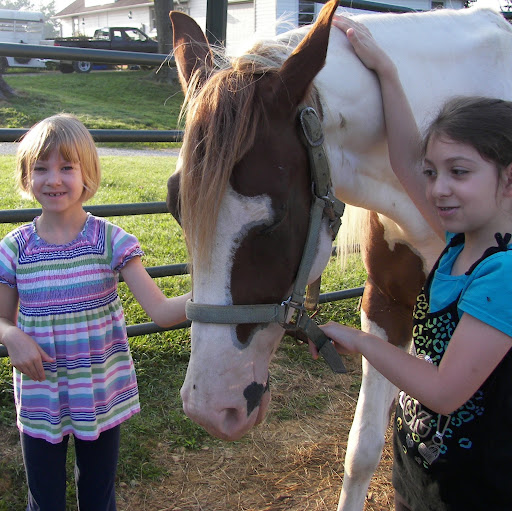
{"x":17,"y":5}
{"x":164,"y":36}
{"x":51,"y":27}
{"x":46,"y":7}
{"x":505,"y":5}
{"x":5,"y":90}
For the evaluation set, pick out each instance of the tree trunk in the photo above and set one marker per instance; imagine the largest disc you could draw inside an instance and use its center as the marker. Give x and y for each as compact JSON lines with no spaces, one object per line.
{"x":164,"y":34}
{"x":5,"y":90}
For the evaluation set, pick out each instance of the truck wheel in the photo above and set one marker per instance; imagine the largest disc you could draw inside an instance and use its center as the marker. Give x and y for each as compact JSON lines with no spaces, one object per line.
{"x":3,"y":65}
{"x":66,"y":68}
{"x":81,"y":66}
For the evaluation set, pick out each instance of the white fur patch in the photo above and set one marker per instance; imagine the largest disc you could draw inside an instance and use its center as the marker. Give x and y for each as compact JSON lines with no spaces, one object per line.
{"x":238,"y":214}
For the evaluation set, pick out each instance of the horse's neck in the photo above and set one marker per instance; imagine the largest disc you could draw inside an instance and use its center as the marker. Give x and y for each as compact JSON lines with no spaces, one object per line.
{"x":437,"y":55}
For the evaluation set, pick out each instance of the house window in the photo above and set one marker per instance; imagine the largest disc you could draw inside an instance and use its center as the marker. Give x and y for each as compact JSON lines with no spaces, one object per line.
{"x":306,"y":12}
{"x":152,"y":19}
{"x":182,"y":9}
{"x":76,"y":26}
{"x":437,"y":5}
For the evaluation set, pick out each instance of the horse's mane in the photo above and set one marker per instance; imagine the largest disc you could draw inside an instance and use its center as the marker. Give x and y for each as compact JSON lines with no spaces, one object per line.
{"x":223,"y":115}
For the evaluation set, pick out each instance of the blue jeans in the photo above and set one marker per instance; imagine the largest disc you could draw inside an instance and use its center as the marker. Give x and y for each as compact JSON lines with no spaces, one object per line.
{"x":95,"y":472}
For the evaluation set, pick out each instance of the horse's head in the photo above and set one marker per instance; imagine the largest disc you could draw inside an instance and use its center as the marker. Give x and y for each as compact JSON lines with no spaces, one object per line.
{"x":244,"y":191}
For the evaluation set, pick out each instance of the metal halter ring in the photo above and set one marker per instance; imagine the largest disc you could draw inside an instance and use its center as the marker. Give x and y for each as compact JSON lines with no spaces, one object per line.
{"x":298,"y":312}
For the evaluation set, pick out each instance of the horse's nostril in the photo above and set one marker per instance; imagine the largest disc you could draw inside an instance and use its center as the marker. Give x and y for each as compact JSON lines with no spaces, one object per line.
{"x":231,"y":419}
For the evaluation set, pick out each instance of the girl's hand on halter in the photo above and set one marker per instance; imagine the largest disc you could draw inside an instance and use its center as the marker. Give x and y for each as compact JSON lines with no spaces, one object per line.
{"x":361,"y":39}
{"x":346,"y":339}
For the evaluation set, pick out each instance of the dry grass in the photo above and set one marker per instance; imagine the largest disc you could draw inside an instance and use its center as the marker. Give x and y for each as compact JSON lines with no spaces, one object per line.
{"x":294,"y":464}
{"x":293,"y":461}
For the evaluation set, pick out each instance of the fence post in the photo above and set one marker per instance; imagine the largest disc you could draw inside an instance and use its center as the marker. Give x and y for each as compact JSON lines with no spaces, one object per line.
{"x":216,"y":21}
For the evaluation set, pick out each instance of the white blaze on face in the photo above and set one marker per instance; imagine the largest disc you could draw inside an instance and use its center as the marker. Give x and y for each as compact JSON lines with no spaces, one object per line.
{"x":238,"y":214}
{"x":220,"y":367}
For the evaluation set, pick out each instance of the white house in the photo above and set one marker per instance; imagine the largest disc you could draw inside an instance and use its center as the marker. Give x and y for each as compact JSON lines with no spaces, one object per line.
{"x":83,"y":17}
{"x":246,"y":18}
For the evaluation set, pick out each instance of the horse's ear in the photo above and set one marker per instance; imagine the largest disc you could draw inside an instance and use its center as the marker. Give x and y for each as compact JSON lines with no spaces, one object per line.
{"x":191,"y":48}
{"x":308,"y":58}
{"x":173,"y":196}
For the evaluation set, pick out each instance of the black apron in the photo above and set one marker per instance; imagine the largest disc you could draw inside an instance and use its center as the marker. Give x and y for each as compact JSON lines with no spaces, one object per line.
{"x":461,"y":461}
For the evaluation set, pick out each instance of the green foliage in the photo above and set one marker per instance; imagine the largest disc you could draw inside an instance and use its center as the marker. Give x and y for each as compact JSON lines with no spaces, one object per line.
{"x":47,"y":8}
{"x":17,"y":5}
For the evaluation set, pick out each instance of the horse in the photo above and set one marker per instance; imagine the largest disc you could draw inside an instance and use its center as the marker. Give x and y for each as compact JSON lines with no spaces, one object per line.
{"x":243,"y":194}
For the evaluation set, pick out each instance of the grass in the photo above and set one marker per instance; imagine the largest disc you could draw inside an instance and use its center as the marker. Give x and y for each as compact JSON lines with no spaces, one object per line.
{"x":160,"y":359}
{"x":101,"y":100}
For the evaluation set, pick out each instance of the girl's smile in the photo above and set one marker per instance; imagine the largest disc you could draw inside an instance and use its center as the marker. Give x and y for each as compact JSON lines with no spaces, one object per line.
{"x":57,"y":184}
{"x":446,"y":212}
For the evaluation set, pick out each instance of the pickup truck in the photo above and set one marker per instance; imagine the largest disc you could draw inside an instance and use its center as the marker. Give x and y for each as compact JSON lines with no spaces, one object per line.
{"x":111,"y":38}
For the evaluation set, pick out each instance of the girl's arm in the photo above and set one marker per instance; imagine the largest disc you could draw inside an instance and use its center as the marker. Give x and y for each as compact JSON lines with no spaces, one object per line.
{"x":164,"y":311}
{"x":404,"y":140}
{"x":474,"y":351}
{"x":25,"y":354}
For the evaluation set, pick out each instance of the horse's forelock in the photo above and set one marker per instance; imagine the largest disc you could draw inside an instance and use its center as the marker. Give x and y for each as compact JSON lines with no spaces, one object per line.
{"x":221,"y":123}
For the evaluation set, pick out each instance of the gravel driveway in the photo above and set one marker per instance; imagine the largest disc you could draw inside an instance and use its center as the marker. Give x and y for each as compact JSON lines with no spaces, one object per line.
{"x":11,"y":147}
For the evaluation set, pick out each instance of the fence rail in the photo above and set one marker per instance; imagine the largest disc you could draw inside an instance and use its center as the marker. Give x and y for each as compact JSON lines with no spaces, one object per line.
{"x":27,"y":215}
{"x":48,"y":52}
{"x":108,"y":135}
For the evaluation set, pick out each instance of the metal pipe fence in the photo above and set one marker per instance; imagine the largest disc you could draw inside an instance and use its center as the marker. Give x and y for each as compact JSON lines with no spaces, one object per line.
{"x":48,"y":52}
{"x":27,"y":215}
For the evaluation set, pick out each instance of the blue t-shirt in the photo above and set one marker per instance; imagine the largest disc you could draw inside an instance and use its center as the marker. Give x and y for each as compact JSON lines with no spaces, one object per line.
{"x":469,"y":468}
{"x":486,"y":293}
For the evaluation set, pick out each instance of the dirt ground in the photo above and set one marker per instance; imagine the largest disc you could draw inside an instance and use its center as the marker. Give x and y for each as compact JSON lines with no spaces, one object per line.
{"x":281,"y":465}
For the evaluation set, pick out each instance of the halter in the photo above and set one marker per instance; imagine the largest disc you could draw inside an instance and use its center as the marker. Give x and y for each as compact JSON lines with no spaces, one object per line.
{"x":291,"y":314}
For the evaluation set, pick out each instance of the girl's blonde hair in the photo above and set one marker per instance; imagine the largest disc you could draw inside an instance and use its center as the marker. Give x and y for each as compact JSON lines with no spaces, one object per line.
{"x":71,"y":138}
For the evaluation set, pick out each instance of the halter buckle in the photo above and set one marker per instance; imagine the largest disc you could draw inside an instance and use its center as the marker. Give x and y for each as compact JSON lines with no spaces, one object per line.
{"x":298,"y":312}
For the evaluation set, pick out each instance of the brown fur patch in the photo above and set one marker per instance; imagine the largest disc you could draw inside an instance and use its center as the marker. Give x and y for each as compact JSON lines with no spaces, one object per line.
{"x":395,"y":278}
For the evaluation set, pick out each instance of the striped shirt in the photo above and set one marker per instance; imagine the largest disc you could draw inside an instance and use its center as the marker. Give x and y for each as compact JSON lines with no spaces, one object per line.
{"x":68,"y":303}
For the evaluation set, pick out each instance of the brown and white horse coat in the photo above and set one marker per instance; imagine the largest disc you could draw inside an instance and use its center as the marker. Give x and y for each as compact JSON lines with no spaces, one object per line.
{"x":246,"y":191}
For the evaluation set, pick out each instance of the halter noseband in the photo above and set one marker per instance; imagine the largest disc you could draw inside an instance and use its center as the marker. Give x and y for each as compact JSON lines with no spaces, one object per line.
{"x":324,"y":204}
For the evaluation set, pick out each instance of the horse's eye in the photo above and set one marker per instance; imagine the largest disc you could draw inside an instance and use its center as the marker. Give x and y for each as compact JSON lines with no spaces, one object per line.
{"x":269,"y":229}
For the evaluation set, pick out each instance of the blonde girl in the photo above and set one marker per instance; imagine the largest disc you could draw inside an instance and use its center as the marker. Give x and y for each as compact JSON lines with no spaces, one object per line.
{"x":62,"y":322}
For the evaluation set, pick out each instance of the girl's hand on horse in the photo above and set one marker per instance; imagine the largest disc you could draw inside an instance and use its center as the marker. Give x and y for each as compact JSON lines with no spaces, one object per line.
{"x":365,"y":46}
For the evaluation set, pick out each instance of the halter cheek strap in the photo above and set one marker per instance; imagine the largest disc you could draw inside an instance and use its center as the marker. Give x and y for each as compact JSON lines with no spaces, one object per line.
{"x":291,"y":314}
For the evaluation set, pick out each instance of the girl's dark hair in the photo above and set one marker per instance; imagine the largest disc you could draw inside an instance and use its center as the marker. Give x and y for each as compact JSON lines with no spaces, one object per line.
{"x":484,"y":123}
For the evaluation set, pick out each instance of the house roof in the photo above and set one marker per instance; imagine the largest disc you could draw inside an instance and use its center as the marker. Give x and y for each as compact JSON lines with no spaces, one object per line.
{"x":78,"y":7}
